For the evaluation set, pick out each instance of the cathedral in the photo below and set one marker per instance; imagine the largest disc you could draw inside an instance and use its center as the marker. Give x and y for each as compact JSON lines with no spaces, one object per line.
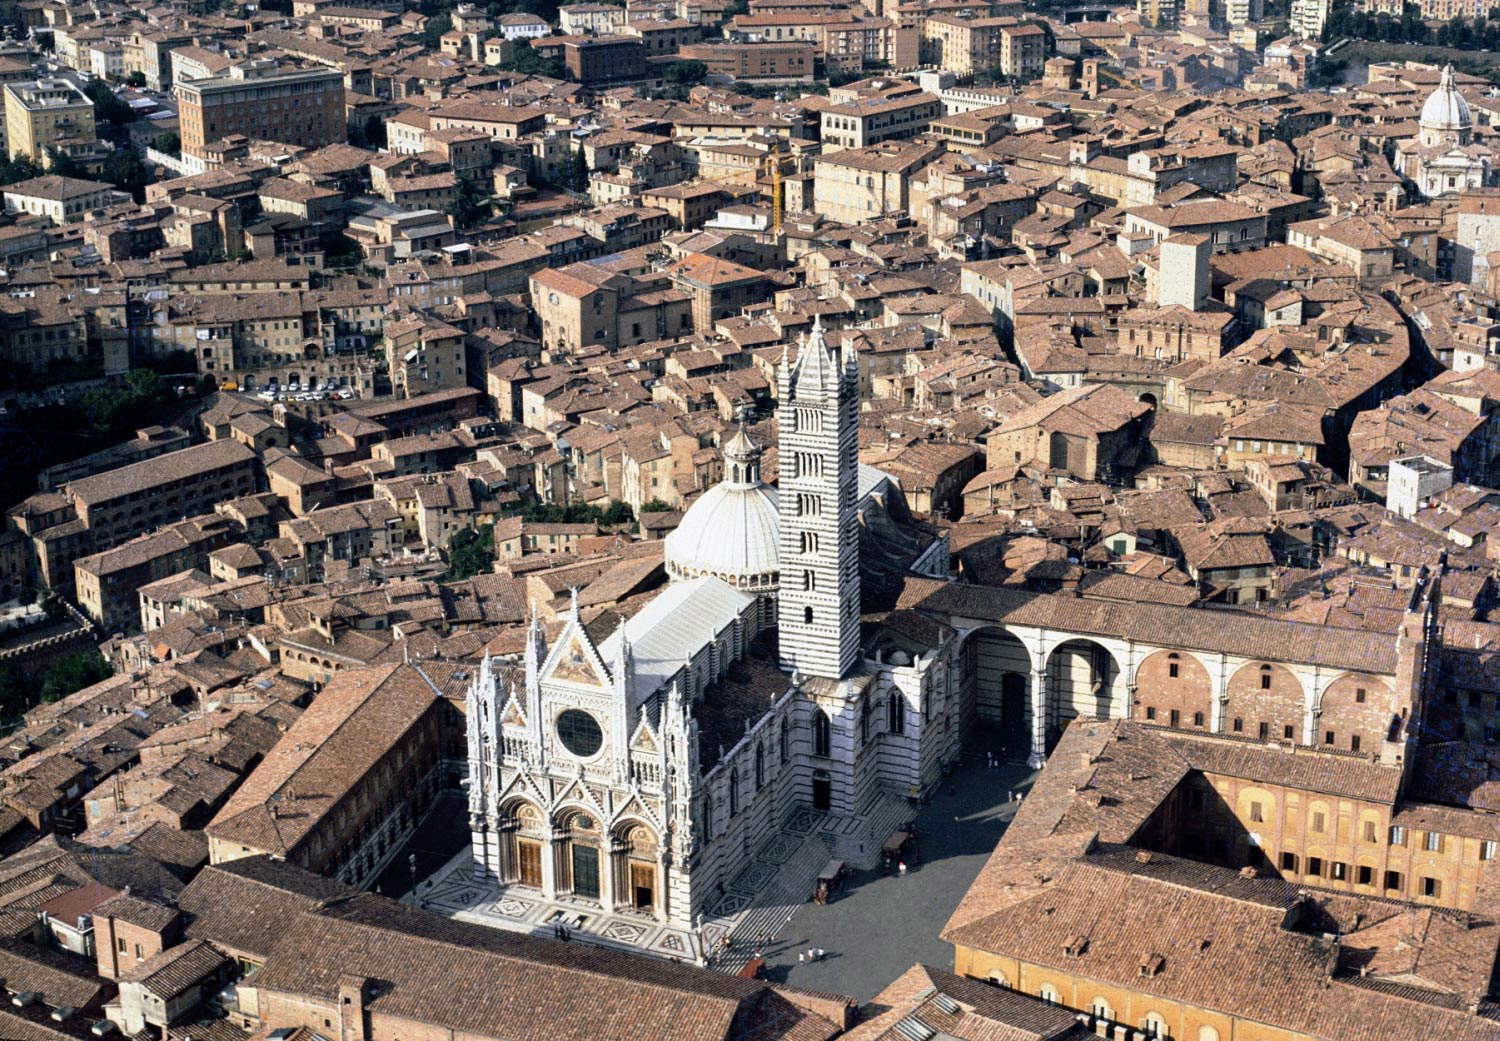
{"x":639,"y":773}
{"x":1444,"y":159}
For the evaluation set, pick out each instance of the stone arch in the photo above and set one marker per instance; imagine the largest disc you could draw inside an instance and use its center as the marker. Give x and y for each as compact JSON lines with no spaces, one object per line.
{"x":1172,"y":688}
{"x":1083,"y":679}
{"x":1354,"y":713}
{"x":523,"y":842}
{"x":579,"y":851}
{"x":997,"y":669}
{"x":636,"y":862}
{"x":1265,"y":701}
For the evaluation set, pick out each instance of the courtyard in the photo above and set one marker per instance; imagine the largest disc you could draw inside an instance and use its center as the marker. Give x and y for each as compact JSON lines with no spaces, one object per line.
{"x":882,"y":924}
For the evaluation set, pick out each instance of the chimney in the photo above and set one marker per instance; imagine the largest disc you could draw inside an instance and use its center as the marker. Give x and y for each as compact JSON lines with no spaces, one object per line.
{"x":352,"y":1009}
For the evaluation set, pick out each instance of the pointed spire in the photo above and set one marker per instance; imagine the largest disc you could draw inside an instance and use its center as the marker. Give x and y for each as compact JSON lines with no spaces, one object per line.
{"x":813,"y":369}
{"x":573,"y":597}
{"x":624,"y":662}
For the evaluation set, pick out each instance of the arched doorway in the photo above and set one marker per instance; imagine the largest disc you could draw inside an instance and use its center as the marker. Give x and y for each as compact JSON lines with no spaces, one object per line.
{"x":525,"y":838}
{"x":578,"y":856}
{"x":997,"y":670}
{"x":1082,"y":677}
{"x":636,"y":854}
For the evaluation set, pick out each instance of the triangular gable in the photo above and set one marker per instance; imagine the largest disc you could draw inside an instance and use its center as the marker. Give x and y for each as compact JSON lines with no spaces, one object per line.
{"x":511,"y":715}
{"x":640,"y":811}
{"x":574,"y":659}
{"x":523,"y":784}
{"x":577,"y":792}
{"x":644,"y":740}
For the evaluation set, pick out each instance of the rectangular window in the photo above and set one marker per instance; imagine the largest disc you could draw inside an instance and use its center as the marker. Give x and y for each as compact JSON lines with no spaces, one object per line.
{"x":1239,"y":725}
{"x":1175,"y":717}
{"x":1340,"y":871}
{"x":1172,"y":668}
{"x":1393,"y":880}
{"x":1487,"y":850}
{"x":1150,"y":712}
{"x":1328,"y":737}
{"x":1433,"y":843}
{"x":1289,"y":862}
{"x":1318,"y":821}
{"x":1370,"y":831}
{"x":1431,"y":887}
{"x":1265,"y":731}
{"x":1398,"y":835}
{"x":1359,"y":695}
{"x":1366,"y":875}
{"x":1314,"y":865}
{"x":1354,"y":742}
{"x":1197,"y":719}
{"x":1287,"y":732}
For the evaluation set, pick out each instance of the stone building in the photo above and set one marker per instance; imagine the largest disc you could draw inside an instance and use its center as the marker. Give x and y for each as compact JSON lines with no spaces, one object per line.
{"x":640,"y":773}
{"x":1444,"y":159}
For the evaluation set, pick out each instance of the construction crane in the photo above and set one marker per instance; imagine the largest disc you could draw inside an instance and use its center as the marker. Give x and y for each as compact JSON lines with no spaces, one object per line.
{"x":771,"y":166}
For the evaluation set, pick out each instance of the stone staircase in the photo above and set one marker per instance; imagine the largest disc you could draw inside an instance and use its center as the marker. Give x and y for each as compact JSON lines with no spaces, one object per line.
{"x":819,"y":838}
{"x":774,"y":904}
{"x":857,"y":840}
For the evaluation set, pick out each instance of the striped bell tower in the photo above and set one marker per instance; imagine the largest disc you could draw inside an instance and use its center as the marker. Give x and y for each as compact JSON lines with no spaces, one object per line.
{"x":817,"y":491}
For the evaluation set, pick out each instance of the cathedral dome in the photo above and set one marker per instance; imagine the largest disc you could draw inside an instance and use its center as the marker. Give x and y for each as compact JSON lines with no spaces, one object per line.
{"x":732,"y":532}
{"x":1445,"y":108}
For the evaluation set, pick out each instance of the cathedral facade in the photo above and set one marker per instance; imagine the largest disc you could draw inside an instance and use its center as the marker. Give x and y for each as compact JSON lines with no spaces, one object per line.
{"x":640,"y":773}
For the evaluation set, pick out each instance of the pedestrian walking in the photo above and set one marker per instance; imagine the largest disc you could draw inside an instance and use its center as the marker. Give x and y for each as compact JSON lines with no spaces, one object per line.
{"x":801,"y":957}
{"x":901,"y":869}
{"x":821,"y":953}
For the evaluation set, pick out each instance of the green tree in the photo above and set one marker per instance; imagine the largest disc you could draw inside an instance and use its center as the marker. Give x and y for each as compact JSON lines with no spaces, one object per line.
{"x":169,"y":143}
{"x":685,"y":71}
{"x":64,"y":165}
{"x":20,"y":168}
{"x":578,"y":178}
{"x":73,"y":673}
{"x":374,"y":130}
{"x":124,"y":169}
{"x":471,"y":552}
{"x":434,"y":30}
{"x":528,"y":61}
{"x":108,"y":109}
{"x":136,"y":78}
{"x":470,"y":205}
{"x":655,"y":506}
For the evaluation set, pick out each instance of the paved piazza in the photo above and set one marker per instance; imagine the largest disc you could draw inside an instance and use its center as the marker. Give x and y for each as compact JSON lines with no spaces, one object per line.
{"x":874,"y":930}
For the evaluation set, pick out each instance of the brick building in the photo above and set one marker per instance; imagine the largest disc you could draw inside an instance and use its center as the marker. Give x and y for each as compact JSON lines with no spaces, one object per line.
{"x":263,"y":101}
{"x":347,"y":783}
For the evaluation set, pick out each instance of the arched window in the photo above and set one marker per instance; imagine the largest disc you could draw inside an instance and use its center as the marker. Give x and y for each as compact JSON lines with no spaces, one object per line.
{"x":1048,"y":993}
{"x":1207,"y":1034}
{"x":785,"y":740}
{"x":896,"y":711}
{"x":734,"y":791}
{"x":1101,"y":1010}
{"x":998,"y":979}
{"x":807,"y":616}
{"x":1265,"y":677}
{"x":1154,"y":1025}
{"x":822,"y":737}
{"x":760,"y":765}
